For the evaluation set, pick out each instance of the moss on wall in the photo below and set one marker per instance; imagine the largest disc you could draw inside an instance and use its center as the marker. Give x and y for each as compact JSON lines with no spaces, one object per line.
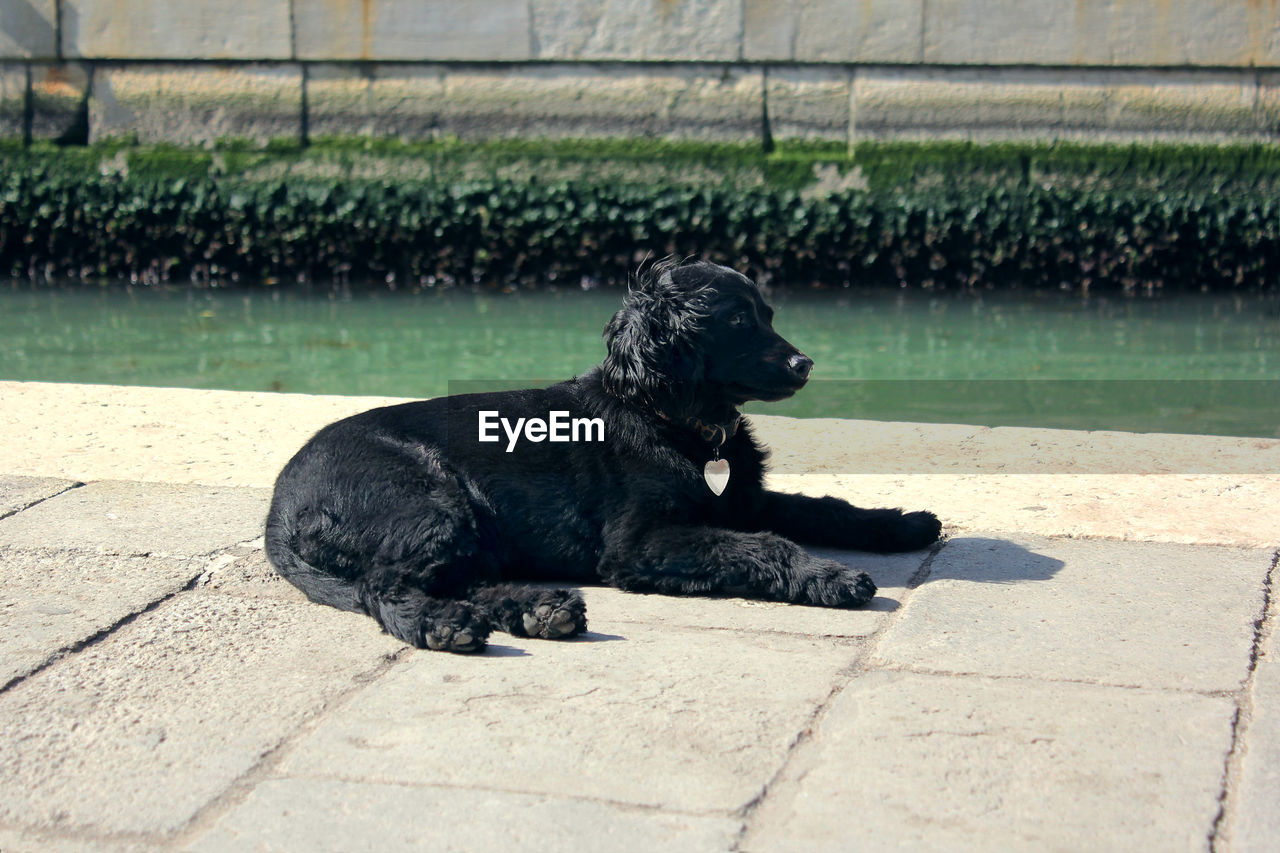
{"x":529,"y":213}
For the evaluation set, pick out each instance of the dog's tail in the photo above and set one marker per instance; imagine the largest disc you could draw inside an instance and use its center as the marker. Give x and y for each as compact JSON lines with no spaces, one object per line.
{"x":318,"y":585}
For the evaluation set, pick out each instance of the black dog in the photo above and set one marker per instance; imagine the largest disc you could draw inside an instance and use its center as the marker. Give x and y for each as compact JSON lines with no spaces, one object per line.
{"x":403,"y":513}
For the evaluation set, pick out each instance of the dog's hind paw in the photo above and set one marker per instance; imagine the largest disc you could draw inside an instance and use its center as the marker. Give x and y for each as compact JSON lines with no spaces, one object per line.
{"x":836,"y":585}
{"x":465,"y":636}
{"x":556,"y":615}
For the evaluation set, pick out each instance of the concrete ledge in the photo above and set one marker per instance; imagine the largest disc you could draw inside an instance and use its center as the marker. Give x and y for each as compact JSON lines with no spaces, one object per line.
{"x":1163,"y":488}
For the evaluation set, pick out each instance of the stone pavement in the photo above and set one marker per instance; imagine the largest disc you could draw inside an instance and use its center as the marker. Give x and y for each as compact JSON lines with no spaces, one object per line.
{"x":1034,"y":682}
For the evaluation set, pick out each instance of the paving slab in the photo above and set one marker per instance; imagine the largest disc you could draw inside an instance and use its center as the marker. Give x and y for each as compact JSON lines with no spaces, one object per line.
{"x":51,"y":600}
{"x":649,"y":715}
{"x":330,"y":815}
{"x":1253,"y":822}
{"x":119,"y":517}
{"x":18,"y":493}
{"x":138,"y":732}
{"x":954,"y":764}
{"x":1145,"y":614}
{"x":244,"y":570}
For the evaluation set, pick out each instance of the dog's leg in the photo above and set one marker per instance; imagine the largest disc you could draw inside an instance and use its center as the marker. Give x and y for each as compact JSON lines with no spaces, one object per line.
{"x":525,"y":611}
{"x":410,"y":615}
{"x":710,"y":561}
{"x":834,"y":523}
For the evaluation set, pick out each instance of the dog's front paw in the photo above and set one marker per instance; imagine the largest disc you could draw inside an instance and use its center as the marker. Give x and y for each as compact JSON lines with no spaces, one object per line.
{"x":834,"y":584}
{"x":912,"y":531}
{"x":556,"y":615}
{"x":462,"y":631}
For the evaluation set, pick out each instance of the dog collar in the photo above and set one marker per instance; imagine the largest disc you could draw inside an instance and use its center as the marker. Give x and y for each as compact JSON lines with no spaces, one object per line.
{"x":712,"y":433}
{"x":716,"y":471}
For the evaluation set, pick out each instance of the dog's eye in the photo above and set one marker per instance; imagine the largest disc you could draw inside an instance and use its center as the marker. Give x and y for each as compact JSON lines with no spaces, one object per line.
{"x":738,"y":320}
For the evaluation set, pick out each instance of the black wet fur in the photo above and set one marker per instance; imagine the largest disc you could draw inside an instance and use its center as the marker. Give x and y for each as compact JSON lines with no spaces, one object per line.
{"x":403,"y":514}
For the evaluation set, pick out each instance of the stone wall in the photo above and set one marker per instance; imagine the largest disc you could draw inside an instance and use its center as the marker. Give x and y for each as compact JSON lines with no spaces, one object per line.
{"x":841,"y":70}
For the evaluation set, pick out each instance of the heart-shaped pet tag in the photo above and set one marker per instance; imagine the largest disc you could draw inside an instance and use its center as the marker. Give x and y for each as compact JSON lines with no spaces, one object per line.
{"x":716,"y":473}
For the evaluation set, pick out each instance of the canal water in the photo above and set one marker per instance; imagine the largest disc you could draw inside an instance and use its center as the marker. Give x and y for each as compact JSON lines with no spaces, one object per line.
{"x":1193,"y":363}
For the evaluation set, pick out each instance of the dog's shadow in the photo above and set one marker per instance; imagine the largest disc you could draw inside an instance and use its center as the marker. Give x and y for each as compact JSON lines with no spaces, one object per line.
{"x":975,"y":559}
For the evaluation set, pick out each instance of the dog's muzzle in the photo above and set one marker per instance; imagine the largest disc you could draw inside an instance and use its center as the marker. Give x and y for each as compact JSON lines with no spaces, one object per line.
{"x":800,"y":365}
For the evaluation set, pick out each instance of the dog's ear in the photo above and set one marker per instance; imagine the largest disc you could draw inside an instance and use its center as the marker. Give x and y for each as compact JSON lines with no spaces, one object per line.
{"x":637,"y":364}
{"x":653,"y":354}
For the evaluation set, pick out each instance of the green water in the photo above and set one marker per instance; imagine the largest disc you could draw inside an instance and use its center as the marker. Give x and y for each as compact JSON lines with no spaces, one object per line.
{"x":1199,"y":363}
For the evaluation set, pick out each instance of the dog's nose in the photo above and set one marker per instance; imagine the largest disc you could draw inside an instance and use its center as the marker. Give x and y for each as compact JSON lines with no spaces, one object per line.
{"x":800,"y":365}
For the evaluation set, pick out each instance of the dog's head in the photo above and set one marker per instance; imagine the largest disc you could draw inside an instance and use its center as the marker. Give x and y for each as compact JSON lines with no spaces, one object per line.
{"x":696,"y":338}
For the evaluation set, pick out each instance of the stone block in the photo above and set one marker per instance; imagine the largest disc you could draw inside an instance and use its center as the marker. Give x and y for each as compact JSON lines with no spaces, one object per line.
{"x":1252,"y":819}
{"x":768,"y":30}
{"x":1168,"y":616}
{"x":833,"y":31}
{"x":59,"y":93}
{"x":810,"y":103}
{"x":696,"y":102}
{"x":1181,"y":104}
{"x":185,"y":104}
{"x":158,"y":29}
{"x":172,"y":709}
{"x":51,"y":600}
{"x":1108,"y":32}
{"x":905,"y":761}
{"x":653,"y":715}
{"x":695,"y":30}
{"x":1005,"y":103}
{"x":18,"y":493}
{"x":13,"y":101}
{"x":141,"y":518}
{"x":488,"y":30}
{"x":28,"y":29}
{"x":330,"y":815}
{"x":375,"y":100}
{"x":1269,"y":102}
